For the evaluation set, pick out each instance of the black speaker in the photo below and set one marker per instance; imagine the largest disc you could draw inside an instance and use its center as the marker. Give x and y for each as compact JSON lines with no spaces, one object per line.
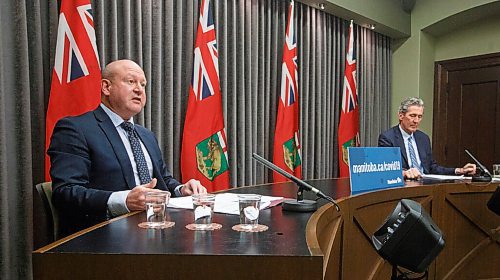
{"x":409,"y":238}
{"x":494,"y":202}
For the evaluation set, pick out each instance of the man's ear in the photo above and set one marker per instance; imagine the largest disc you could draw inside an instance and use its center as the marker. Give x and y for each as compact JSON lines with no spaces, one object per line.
{"x":105,"y":85}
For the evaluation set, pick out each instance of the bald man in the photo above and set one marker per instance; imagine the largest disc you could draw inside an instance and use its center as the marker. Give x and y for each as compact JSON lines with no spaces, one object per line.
{"x":98,"y":171}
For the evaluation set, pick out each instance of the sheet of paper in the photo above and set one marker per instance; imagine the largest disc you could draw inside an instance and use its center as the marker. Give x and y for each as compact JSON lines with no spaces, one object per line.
{"x":445,"y":177}
{"x":453,"y":177}
{"x":224,"y":203}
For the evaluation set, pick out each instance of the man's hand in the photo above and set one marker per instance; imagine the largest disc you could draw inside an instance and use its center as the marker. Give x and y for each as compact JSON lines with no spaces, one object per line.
{"x":136,"y":199}
{"x":192,"y":187}
{"x":412,"y":174}
{"x":468,"y":169}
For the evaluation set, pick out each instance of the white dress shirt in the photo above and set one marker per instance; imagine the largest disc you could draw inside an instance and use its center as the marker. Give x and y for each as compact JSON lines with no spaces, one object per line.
{"x":406,"y":136}
{"x":117,"y":202}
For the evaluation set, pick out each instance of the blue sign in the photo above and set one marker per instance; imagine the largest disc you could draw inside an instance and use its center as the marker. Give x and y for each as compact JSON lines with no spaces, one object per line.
{"x":374,"y":168}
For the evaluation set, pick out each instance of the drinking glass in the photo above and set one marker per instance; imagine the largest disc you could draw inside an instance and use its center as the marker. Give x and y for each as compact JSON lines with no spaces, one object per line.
{"x":203,"y":211}
{"x":156,"y":210}
{"x":496,"y":170}
{"x":249,"y":205}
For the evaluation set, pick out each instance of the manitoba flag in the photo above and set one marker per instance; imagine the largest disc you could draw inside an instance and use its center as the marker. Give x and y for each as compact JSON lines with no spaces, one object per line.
{"x":286,"y":137}
{"x":349,"y":115}
{"x":76,"y":76}
{"x":204,"y":145}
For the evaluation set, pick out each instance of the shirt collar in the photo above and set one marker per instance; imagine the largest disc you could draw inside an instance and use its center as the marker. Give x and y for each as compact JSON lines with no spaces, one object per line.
{"x":404,"y":133}
{"x":117,"y":120}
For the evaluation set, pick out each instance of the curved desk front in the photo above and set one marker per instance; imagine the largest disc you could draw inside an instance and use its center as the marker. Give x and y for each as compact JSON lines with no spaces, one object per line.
{"x":324,"y":244}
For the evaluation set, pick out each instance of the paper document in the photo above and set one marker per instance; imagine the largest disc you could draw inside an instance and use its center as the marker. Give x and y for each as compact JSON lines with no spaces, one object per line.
{"x":226,"y":203}
{"x":445,"y":177}
{"x":452,"y":177}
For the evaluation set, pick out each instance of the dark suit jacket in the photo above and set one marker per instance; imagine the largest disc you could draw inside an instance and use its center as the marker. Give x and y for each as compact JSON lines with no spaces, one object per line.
{"x":89,"y":162}
{"x":394,"y":138}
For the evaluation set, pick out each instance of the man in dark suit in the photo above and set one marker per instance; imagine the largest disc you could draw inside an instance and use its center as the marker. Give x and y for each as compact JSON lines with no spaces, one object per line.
{"x":102,"y":164}
{"x":415,"y":145}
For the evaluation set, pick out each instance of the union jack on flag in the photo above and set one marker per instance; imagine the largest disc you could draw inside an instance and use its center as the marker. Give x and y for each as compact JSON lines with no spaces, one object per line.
{"x":348,"y":135}
{"x":205,"y":70}
{"x":76,"y":77}
{"x":286,"y":136}
{"x":68,"y":54}
{"x":289,"y":66}
{"x":349,"y":98}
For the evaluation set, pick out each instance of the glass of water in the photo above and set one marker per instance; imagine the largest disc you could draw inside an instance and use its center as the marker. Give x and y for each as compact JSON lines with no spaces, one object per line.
{"x":203,"y":211}
{"x":496,"y":170}
{"x":156,"y":210}
{"x":249,"y":205}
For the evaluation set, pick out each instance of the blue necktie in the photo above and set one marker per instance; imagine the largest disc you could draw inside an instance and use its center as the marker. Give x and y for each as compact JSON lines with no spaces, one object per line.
{"x":413,"y":156}
{"x":140,"y":160}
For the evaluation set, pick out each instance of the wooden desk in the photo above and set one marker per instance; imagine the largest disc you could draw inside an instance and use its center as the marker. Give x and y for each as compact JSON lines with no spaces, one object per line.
{"x":296,"y":246}
{"x":470,"y":230}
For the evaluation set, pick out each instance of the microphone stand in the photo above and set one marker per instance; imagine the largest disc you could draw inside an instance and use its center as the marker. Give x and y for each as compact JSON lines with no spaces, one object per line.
{"x":301,"y":204}
{"x":484,"y":175}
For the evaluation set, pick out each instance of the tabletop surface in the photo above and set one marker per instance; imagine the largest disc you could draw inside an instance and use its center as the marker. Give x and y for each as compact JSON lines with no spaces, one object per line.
{"x":285,"y":236}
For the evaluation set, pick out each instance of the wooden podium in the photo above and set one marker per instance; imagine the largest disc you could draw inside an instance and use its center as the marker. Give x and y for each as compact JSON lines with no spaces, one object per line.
{"x":324,"y":244}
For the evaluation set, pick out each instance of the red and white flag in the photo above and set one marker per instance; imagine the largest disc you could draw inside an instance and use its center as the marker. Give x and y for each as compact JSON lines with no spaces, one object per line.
{"x":76,"y":76}
{"x":286,"y":136}
{"x":204,"y":145}
{"x":348,"y":134}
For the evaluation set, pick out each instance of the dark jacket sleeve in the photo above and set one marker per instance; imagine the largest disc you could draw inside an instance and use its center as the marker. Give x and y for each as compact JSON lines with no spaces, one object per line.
{"x":70,"y":172}
{"x":385,"y":141}
{"x":431,"y":166}
{"x":169,"y":180}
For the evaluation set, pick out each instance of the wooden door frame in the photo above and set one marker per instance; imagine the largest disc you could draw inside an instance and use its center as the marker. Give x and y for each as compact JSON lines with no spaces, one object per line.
{"x":441,"y":88}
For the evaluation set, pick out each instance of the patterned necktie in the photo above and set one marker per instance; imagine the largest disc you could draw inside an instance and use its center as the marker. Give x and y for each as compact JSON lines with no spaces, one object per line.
{"x":140,"y":160}
{"x":413,"y":156}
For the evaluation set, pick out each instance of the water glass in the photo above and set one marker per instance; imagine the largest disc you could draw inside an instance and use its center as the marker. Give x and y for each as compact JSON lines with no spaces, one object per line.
{"x":156,"y":210}
{"x":249,"y":205}
{"x":203,"y":211}
{"x":496,"y":170}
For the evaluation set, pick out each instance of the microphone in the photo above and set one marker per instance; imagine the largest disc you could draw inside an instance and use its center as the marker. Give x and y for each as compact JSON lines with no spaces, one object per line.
{"x":300,"y":205}
{"x":485,"y":175}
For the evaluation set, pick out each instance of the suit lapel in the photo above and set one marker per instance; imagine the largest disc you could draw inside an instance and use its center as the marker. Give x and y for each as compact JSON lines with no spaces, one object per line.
{"x":114,"y":139}
{"x":401,"y":144}
{"x":421,"y":151}
{"x":151,"y":147}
